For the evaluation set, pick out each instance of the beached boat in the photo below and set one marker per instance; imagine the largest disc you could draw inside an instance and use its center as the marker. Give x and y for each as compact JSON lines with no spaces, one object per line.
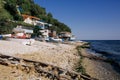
{"x":72,"y":38}
{"x":55,"y":39}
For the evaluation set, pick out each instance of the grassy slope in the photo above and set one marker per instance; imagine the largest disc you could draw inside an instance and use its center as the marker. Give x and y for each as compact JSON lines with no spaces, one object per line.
{"x":3,"y":13}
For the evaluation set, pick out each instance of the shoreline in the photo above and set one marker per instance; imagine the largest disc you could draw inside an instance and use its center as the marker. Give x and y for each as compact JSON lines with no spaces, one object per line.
{"x":67,"y":56}
{"x":57,"y":54}
{"x":97,"y":68}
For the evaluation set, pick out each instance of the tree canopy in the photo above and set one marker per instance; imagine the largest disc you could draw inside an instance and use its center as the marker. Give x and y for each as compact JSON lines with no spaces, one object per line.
{"x":8,"y":10}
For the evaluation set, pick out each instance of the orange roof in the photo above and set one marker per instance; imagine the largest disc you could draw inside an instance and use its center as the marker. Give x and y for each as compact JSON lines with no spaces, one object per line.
{"x":28,"y":16}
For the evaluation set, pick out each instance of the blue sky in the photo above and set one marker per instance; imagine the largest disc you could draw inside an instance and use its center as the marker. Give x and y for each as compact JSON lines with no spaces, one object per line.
{"x":88,"y":19}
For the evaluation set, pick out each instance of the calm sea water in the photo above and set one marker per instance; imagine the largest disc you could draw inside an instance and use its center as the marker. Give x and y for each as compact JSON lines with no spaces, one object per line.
{"x":108,"y":48}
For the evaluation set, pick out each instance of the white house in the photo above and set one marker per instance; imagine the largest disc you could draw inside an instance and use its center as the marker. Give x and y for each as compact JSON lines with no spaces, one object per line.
{"x":30,"y":19}
{"x":42,"y":25}
{"x":36,"y":21}
{"x":45,"y":33}
{"x":23,"y":29}
{"x":67,"y":36}
{"x":21,"y":32}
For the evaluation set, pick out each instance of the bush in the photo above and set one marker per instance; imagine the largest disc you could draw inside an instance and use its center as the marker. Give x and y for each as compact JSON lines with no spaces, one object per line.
{"x":6,"y":27}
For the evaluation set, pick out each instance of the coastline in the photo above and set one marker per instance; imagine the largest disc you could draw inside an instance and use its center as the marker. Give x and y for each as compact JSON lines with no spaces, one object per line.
{"x":97,"y":68}
{"x":68,"y":56}
{"x":57,"y":54}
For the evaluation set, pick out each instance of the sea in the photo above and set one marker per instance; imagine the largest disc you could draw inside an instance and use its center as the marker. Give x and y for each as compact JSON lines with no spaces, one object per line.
{"x":107,"y":48}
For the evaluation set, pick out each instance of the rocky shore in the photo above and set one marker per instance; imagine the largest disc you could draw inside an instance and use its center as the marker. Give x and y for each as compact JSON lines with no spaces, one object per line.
{"x":97,"y":68}
{"x":57,"y":54}
{"x":64,"y":55}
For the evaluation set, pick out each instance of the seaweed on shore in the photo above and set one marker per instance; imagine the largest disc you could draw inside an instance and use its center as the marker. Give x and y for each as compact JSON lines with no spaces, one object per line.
{"x":79,"y":67}
{"x":85,"y":45}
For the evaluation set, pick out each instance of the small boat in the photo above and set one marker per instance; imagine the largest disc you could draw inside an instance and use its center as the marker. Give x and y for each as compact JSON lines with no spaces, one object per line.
{"x":55,"y":39}
{"x":72,"y":38}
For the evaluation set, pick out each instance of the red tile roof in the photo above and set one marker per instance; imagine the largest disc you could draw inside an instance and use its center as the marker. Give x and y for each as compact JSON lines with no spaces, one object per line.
{"x":28,"y":16}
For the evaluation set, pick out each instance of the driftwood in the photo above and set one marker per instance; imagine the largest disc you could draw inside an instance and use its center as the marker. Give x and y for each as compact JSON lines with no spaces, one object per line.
{"x":42,"y":69}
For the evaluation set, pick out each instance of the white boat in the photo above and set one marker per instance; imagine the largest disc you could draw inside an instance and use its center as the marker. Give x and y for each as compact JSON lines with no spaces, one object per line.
{"x":56,"y":39}
{"x":72,"y":38}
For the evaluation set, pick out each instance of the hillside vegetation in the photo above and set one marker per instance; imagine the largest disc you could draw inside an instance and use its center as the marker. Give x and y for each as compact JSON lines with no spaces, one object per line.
{"x":9,"y":13}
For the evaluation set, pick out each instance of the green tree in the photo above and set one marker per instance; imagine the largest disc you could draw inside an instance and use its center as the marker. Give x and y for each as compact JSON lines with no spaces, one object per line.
{"x":6,"y":27}
{"x":49,"y":15}
{"x":18,"y":17}
{"x":8,"y":11}
{"x":11,"y":7}
{"x":36,"y":31}
{"x":36,"y":10}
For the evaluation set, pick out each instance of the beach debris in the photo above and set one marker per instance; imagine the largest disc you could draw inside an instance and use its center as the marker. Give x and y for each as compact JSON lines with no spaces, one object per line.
{"x":41,"y":69}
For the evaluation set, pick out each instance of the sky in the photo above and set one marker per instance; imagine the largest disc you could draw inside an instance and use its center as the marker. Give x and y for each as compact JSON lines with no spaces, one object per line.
{"x":88,"y":19}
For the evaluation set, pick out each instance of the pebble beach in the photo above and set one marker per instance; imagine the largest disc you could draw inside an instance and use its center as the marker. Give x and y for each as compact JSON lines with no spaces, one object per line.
{"x":57,"y":54}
